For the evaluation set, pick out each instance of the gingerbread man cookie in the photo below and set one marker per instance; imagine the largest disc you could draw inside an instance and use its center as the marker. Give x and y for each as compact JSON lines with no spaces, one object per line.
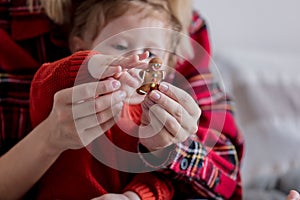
{"x":152,"y":76}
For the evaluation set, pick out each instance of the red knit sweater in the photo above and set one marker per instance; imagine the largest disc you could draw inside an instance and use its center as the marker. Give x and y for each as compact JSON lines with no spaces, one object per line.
{"x":77,"y":174}
{"x":44,"y":46}
{"x":199,"y":169}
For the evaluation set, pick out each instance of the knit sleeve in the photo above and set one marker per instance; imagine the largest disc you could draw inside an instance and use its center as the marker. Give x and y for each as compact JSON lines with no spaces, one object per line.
{"x":53,"y":77}
{"x":151,"y":186}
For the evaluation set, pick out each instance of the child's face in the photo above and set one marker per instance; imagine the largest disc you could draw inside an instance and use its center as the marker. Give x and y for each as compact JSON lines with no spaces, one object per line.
{"x":133,"y":33}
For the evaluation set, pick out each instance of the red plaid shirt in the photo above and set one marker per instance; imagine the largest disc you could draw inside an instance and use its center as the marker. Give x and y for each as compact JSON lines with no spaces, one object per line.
{"x":27,"y":39}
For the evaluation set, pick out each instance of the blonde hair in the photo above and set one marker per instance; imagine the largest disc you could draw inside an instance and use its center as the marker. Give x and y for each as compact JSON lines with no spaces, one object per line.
{"x":57,"y":10}
{"x":95,"y":13}
{"x":60,"y":11}
{"x":182,"y":10}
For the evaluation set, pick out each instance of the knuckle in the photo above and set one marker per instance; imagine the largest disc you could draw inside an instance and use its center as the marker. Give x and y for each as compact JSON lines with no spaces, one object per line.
{"x":181,"y":136}
{"x":184,"y":99}
{"x":172,"y":125}
{"x":165,"y":141}
{"x":100,"y":118}
{"x":87,"y":92}
{"x":116,"y":97}
{"x":178,"y":112}
{"x":97,"y":104}
{"x":116,"y":109}
{"x":58,"y":97}
{"x":104,"y":87}
{"x":61,"y":116}
{"x":198,"y":112}
{"x":164,"y":101}
{"x":194,"y":129}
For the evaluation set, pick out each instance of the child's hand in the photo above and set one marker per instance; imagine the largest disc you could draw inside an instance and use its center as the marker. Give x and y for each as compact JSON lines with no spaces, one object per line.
{"x":124,"y":69}
{"x":104,"y":66}
{"x":173,"y":117}
{"x":126,"y":196}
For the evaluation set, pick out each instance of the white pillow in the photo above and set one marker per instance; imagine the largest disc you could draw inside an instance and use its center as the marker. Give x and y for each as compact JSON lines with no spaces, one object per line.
{"x":266,"y":90}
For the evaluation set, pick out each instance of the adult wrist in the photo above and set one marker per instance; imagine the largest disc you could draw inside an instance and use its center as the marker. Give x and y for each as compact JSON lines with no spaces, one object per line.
{"x":50,"y":148}
{"x":131,"y":195}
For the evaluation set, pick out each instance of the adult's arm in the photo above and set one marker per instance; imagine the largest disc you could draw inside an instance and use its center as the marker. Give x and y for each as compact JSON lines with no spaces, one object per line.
{"x":26,"y":162}
{"x":207,"y":165}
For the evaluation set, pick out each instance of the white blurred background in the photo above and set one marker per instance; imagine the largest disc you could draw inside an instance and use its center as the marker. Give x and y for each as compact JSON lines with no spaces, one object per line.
{"x":255,"y":24}
{"x":256,"y":48}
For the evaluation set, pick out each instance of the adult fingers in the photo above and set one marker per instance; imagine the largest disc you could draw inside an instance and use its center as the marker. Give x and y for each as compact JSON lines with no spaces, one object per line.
{"x":92,"y":90}
{"x":153,"y":138}
{"x":90,"y":134}
{"x":176,"y":110}
{"x":98,"y":104}
{"x":174,"y":128}
{"x":182,"y":97}
{"x":98,"y":118}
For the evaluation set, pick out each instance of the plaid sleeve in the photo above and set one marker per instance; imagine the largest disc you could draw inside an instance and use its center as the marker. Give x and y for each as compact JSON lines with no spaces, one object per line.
{"x":208,"y":164}
{"x":210,"y":161}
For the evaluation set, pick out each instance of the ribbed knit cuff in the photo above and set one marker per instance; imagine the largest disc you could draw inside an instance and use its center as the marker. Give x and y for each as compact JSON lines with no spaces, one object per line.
{"x":151,"y":186}
{"x":79,"y":67}
{"x":142,"y":191}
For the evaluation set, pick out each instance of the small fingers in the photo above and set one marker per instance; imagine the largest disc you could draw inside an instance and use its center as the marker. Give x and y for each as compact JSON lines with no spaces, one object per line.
{"x":130,"y":78}
{"x":111,"y":71}
{"x":132,"y":61}
{"x":100,"y":67}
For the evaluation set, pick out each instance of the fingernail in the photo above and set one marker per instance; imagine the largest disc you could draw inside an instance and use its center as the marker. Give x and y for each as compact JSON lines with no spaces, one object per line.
{"x":116,"y":84}
{"x":163,"y":87}
{"x":154,"y":95}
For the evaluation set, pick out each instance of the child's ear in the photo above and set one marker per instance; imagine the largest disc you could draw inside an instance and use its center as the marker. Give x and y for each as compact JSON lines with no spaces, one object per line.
{"x":77,"y":44}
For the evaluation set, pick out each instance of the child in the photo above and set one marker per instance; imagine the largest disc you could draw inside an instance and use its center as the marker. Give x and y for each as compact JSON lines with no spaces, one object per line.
{"x":109,"y":180}
{"x":93,"y":178}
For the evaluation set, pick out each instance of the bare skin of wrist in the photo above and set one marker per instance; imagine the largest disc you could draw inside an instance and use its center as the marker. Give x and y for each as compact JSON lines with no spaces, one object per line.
{"x":28,"y":160}
{"x":131,"y":195}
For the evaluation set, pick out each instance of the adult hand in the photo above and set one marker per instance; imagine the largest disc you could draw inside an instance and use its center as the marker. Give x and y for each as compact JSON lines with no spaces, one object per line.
{"x":170,"y":115}
{"x":126,"y":196}
{"x":84,"y":112}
